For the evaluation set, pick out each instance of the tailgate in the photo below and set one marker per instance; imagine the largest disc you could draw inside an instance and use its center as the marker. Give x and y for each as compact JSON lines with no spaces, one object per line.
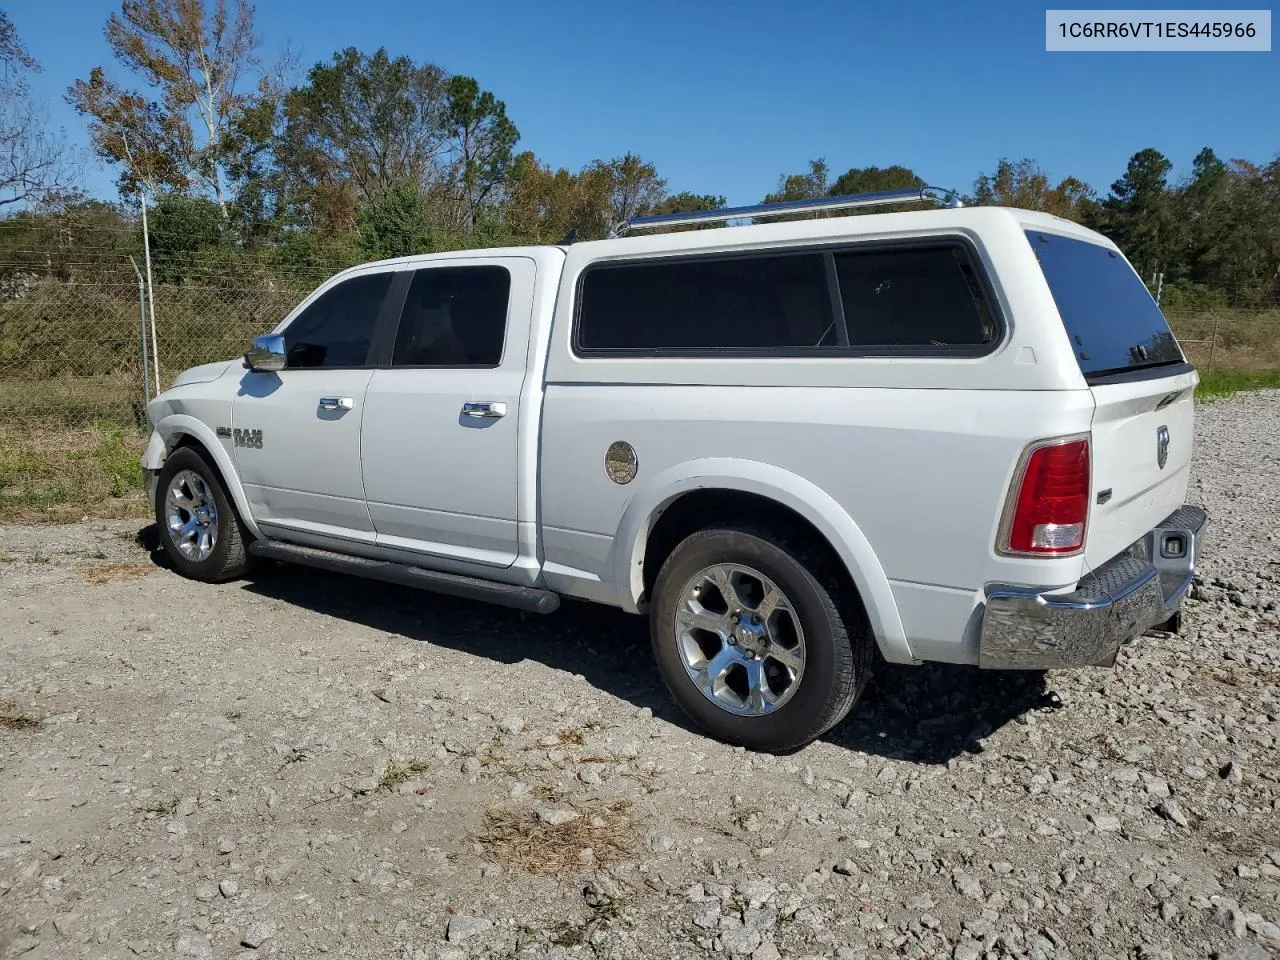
{"x":1143,"y":389}
{"x":1141,"y":454}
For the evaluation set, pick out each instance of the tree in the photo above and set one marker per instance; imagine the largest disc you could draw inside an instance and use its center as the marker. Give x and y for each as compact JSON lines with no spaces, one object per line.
{"x":395,"y":222}
{"x":630,"y":185}
{"x":542,"y":205}
{"x":1075,"y":200}
{"x":1137,"y":214}
{"x":816,"y":184}
{"x":34,"y":163}
{"x":1240,"y":250}
{"x":360,"y":124}
{"x":480,"y":142}
{"x":82,"y":241}
{"x":181,"y":228}
{"x":194,"y":61}
{"x":1025,"y":185}
{"x":13,"y":54}
{"x":1200,"y":208}
{"x":802,"y":186}
{"x":689,"y":203}
{"x":363,"y":123}
{"x":1208,"y":174}
{"x":875,"y":179}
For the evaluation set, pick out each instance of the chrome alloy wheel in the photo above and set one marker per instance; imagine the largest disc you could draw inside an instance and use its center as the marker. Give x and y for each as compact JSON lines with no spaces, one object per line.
{"x":192,"y":515}
{"x":740,"y":639}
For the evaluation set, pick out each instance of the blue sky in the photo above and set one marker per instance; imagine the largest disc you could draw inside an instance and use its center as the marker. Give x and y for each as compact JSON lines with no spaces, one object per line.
{"x":723,"y":97}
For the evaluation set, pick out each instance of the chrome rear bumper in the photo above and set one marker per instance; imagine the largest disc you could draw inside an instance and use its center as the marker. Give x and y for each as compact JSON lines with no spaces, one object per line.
{"x":1026,"y":629}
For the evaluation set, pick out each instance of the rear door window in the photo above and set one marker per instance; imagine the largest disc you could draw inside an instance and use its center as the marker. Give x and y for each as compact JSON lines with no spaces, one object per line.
{"x":1111,"y":318}
{"x":454,"y":317}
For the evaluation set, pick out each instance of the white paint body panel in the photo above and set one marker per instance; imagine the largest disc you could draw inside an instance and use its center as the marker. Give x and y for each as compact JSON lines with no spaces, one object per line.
{"x":902,"y":464}
{"x":306,"y":477}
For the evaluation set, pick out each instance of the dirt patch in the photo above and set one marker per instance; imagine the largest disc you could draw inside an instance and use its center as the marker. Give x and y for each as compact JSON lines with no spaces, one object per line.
{"x":13,"y":717}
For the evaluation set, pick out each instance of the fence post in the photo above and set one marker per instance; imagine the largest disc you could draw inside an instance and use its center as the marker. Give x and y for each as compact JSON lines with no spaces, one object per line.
{"x":142,"y":330}
{"x":146,"y":251}
{"x":1213,"y":344}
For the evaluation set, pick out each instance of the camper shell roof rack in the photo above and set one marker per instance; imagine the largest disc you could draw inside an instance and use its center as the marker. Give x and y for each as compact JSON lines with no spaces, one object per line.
{"x":881,"y":198}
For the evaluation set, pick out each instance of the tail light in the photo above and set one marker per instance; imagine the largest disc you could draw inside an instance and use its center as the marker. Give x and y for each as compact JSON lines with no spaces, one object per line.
{"x":1049,"y":501}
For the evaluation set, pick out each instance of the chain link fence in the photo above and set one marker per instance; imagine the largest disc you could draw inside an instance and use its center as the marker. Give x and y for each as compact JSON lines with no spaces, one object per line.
{"x":74,"y":379}
{"x":73,"y":354}
{"x":75,"y":374}
{"x":1228,"y":339}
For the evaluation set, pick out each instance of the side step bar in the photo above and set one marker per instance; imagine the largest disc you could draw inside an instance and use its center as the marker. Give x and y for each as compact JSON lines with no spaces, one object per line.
{"x":531,"y":599}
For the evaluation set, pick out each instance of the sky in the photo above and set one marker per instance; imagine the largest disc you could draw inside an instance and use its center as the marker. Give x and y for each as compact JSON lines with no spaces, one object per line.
{"x":725,"y":97}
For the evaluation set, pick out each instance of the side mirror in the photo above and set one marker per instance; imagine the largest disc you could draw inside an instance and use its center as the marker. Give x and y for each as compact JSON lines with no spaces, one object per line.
{"x":265,"y":352}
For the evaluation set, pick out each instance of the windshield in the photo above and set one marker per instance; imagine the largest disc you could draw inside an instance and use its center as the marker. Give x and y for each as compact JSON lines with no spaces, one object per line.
{"x":1114,"y":324}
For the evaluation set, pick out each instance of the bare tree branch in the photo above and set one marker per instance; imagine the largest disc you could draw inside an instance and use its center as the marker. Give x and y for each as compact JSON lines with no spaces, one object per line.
{"x":34,"y":163}
{"x":195,"y":60}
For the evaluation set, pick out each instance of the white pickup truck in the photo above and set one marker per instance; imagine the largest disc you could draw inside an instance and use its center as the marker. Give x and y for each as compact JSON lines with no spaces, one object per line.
{"x":951,"y":434}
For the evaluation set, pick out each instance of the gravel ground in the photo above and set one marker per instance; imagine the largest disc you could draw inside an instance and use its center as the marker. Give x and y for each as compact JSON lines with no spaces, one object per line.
{"x":301,"y":764}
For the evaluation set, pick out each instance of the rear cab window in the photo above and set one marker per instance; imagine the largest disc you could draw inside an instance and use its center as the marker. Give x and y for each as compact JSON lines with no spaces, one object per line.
{"x":1114,"y":325}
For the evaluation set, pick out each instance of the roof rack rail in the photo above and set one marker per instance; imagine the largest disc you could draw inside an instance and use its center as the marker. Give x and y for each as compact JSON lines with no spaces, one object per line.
{"x":878,"y":199}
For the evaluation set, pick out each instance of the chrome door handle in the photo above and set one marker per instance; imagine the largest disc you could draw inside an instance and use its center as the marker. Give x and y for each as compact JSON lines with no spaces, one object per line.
{"x":336,"y":403}
{"x":484,"y":408}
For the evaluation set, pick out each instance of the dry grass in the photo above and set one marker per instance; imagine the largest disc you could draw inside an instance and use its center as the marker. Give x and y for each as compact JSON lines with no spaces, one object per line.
{"x":1246,"y":340}
{"x":52,"y":473}
{"x":101,"y":573}
{"x":572,"y":738}
{"x":398,"y":773}
{"x":160,"y":807}
{"x":518,"y":837}
{"x":13,"y":717}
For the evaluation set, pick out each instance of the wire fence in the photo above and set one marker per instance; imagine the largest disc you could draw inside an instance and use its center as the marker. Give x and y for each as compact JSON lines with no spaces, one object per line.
{"x":76,"y":353}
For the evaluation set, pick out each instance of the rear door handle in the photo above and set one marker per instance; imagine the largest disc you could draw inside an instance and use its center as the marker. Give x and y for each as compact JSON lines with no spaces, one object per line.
{"x":336,"y":403}
{"x":484,"y":409}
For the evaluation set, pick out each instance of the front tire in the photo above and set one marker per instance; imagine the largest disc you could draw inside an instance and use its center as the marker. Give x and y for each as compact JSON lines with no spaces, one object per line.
{"x":756,"y":638}
{"x":199,"y":528}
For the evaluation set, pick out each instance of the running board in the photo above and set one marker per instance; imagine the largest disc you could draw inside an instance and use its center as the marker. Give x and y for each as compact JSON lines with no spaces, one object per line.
{"x":531,"y":599}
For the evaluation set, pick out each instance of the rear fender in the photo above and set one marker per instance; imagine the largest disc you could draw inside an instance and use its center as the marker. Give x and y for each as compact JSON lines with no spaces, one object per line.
{"x":787,"y":489}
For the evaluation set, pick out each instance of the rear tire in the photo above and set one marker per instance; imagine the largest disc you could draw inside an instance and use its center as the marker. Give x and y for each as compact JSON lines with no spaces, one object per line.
{"x":199,"y":528}
{"x":779,"y":661}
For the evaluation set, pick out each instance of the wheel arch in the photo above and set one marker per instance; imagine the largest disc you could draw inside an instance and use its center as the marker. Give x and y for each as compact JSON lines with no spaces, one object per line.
{"x":644,"y":540}
{"x":180,"y":430}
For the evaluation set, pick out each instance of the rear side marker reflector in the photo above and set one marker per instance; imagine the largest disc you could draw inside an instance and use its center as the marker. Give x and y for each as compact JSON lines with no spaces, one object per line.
{"x":1048,"y":506}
